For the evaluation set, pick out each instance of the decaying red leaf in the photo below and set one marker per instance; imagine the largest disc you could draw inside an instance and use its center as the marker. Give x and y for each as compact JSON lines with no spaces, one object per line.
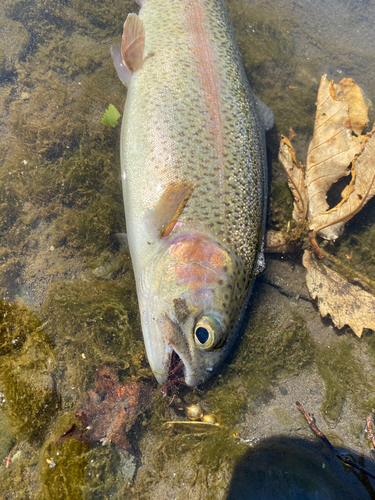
{"x":347,"y":304}
{"x":109,"y":412}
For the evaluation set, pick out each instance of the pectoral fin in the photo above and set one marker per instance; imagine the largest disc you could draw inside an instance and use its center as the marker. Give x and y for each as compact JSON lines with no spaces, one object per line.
{"x":133,"y":42}
{"x":169,"y":208}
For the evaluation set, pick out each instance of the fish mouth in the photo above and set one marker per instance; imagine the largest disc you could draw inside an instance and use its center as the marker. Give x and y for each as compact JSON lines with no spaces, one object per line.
{"x":167,"y":365}
{"x":179,"y":372}
{"x":176,"y":370}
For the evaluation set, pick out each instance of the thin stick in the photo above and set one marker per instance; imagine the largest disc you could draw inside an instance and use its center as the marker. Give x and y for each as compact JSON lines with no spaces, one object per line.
{"x":343,"y":458}
{"x":370,"y":427}
{"x":317,"y":250}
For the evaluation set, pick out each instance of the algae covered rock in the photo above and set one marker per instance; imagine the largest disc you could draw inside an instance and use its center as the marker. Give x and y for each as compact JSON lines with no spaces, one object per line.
{"x":93,"y":323}
{"x":74,"y":471}
{"x":28,"y":385}
{"x":26,"y":365}
{"x":88,"y":230}
{"x":268,"y":41}
{"x":356,"y":248}
{"x":62,"y":468}
{"x":343,"y":376}
{"x":109,"y":469}
{"x":16,"y":322}
{"x":199,"y":463}
{"x":6,"y":438}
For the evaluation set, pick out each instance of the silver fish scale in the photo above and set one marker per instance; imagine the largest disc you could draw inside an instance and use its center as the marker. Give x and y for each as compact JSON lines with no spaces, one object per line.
{"x":174,"y":132}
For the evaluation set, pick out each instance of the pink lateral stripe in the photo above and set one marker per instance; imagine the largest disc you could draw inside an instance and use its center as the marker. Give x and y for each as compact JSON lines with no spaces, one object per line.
{"x":206,"y":74}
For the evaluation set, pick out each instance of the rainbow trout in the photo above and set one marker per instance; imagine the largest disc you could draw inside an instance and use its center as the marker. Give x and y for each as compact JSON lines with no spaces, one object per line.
{"x":194,"y":181}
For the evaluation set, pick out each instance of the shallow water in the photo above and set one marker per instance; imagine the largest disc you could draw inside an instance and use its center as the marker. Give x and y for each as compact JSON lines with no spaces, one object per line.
{"x":71,"y":284}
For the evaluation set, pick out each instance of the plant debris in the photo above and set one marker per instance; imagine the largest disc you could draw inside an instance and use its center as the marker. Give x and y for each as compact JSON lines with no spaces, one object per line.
{"x":370,"y":427}
{"x":109,"y":412}
{"x":336,"y":150}
{"x":310,"y":419}
{"x":111,"y":116}
{"x":329,"y":287}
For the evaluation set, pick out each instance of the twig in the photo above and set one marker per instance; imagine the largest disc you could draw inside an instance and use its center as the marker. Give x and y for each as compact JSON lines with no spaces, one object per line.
{"x":343,"y":458}
{"x":370,"y":427}
{"x":311,"y":421}
{"x":317,"y":250}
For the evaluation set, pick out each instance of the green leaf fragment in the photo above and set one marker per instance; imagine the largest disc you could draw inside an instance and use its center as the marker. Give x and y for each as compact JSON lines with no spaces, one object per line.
{"x":111,"y":116}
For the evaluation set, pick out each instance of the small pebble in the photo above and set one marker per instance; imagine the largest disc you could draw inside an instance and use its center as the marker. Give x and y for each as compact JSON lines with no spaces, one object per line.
{"x":209,"y":418}
{"x":194,"y":412}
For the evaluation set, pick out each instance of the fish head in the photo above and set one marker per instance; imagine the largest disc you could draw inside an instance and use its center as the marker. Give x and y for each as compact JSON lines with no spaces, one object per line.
{"x":191,"y":296}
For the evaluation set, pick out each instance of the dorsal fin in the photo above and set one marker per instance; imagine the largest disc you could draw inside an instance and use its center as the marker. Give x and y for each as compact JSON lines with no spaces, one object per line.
{"x":133,"y":42}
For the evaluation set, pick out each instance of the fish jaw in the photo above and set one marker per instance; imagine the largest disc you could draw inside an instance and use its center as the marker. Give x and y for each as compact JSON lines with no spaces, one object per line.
{"x":159,"y":348}
{"x":192,"y":280}
{"x":159,"y":354}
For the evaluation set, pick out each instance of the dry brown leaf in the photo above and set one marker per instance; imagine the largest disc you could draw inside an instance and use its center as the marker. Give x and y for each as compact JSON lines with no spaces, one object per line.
{"x":292,"y":134}
{"x":296,"y":178}
{"x":348,"y":90}
{"x":347,"y":304}
{"x":334,"y":152}
{"x":331,"y":150}
{"x":356,"y":194}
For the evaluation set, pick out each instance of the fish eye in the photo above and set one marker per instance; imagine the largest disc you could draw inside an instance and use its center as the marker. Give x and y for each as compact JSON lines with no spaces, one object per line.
{"x":208,"y":333}
{"x":202,"y":335}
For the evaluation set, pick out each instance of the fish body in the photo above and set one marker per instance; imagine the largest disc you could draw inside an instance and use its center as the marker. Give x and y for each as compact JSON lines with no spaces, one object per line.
{"x":194,"y":181}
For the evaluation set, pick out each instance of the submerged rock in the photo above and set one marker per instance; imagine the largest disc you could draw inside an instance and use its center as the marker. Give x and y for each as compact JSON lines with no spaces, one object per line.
{"x":26,"y":378}
{"x":26,"y":365}
{"x":6,"y":438}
